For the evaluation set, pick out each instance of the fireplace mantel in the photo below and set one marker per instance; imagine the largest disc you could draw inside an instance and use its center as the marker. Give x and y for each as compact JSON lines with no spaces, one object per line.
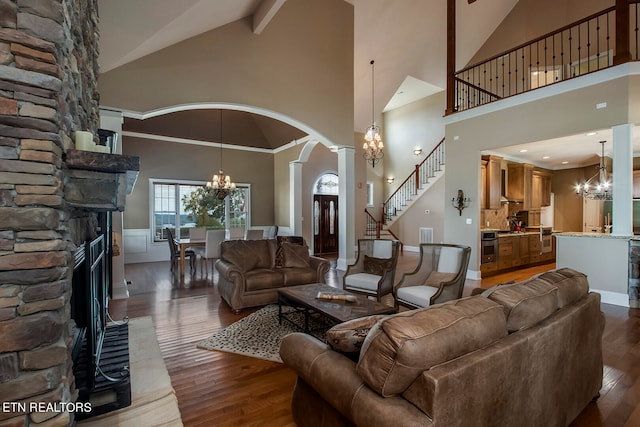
{"x":99,"y":181}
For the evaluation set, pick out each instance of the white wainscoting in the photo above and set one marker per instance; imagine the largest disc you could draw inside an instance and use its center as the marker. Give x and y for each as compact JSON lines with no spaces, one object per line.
{"x":138,"y":247}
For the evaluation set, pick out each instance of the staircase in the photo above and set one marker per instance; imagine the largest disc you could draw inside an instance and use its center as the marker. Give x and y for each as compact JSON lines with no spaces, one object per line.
{"x":416,"y":184}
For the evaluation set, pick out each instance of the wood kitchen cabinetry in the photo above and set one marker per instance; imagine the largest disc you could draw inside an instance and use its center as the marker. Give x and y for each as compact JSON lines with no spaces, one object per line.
{"x":519,"y":180}
{"x":540,"y":189}
{"x":491,"y":181}
{"x":519,"y":250}
{"x":636,"y":184}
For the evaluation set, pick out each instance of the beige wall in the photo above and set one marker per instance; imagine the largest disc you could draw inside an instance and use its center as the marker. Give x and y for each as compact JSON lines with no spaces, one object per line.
{"x":530,"y":19}
{"x":300,"y":67}
{"x":556,"y":116}
{"x":407,"y":228}
{"x":168,"y":160}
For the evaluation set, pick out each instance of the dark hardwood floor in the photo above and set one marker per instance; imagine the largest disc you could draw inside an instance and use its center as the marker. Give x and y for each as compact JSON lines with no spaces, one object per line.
{"x":221,"y":389}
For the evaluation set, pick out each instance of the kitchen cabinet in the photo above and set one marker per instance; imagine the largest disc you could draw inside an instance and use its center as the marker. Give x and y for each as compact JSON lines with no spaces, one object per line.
{"x":519,"y":180}
{"x":513,"y":250}
{"x":540,"y":189}
{"x":505,"y":252}
{"x":534,"y":248}
{"x":492,"y":181}
{"x":483,"y":184}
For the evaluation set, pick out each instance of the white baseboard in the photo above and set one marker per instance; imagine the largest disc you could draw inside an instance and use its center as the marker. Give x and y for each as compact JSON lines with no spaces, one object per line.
{"x":614,"y":298}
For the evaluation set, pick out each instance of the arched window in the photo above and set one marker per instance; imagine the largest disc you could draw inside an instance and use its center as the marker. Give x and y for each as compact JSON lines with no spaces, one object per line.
{"x":327,"y":184}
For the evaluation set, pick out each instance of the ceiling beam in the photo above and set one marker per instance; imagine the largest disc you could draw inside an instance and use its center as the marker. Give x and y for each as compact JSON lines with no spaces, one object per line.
{"x":265,"y":11}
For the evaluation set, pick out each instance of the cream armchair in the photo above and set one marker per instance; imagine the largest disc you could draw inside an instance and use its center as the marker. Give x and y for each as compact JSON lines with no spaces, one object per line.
{"x":374,"y":270}
{"x":439,"y":276}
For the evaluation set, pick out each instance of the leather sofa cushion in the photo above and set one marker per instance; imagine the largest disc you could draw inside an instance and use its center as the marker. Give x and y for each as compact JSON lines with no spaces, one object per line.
{"x":572,"y":285}
{"x":399,"y":348}
{"x":297,"y":275}
{"x":262,"y":278}
{"x":247,"y":254}
{"x":295,"y":255}
{"x":525,"y":303}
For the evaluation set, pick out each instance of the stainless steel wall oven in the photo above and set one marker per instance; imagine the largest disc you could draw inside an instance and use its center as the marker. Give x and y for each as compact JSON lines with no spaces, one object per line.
{"x":488,"y":247}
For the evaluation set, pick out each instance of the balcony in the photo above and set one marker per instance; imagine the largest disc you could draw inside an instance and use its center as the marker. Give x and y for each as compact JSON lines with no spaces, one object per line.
{"x":596,"y":42}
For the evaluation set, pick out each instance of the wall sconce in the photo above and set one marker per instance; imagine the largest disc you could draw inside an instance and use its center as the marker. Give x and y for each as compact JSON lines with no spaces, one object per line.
{"x":460,"y":202}
{"x":390,"y":180}
{"x":417,"y":151}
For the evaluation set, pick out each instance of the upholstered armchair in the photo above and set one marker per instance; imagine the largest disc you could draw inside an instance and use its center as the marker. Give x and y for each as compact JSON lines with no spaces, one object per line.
{"x":439,"y":276}
{"x":374,"y":270}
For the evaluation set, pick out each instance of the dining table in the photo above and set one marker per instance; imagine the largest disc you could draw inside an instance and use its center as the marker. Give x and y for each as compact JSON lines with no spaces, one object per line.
{"x":183,"y":244}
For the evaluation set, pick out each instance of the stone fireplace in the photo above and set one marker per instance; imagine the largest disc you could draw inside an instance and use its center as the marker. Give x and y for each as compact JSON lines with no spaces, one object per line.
{"x":48,"y":90}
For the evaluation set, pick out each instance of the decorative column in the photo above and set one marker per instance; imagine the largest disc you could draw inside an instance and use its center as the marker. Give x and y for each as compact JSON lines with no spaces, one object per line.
{"x":295,"y":198}
{"x":622,"y":217}
{"x":346,"y":207}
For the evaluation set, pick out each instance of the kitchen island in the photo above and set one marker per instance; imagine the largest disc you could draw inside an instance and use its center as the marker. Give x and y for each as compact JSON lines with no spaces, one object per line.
{"x":604,"y":258}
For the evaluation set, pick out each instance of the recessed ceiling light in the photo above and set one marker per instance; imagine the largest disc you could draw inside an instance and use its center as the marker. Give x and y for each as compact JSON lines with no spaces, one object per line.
{"x":546,"y":157}
{"x":592,"y":133}
{"x":523,"y":150}
{"x":565,"y":163}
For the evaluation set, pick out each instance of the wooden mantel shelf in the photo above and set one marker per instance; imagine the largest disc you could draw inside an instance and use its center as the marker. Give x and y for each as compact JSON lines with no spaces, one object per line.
{"x":102,"y":162}
{"x":99,"y":181}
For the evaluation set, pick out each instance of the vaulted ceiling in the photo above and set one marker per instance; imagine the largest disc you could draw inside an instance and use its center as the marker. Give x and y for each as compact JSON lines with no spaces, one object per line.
{"x":406,"y":38}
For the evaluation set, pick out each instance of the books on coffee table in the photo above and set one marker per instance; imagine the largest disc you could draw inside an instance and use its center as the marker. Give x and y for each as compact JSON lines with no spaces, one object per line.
{"x":340,"y":297}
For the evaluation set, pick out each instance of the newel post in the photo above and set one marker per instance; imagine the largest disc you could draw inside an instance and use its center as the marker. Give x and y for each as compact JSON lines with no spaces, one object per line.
{"x":622,"y":33}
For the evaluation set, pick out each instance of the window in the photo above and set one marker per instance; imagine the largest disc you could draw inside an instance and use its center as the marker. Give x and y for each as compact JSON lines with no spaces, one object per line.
{"x":327,"y":184}
{"x":369,"y":194}
{"x":183,"y":205}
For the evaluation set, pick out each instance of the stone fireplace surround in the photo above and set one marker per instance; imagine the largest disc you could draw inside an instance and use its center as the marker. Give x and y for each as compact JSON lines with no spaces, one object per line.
{"x":48,"y":90}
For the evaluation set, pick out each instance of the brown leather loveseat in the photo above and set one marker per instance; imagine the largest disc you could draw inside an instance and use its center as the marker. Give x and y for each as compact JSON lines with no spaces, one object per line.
{"x":525,"y":354}
{"x":252,"y":271}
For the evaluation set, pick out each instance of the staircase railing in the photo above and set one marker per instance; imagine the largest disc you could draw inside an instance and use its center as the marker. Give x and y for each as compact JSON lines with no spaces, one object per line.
{"x":420,"y":176}
{"x":374,"y":228}
{"x":373,"y":225}
{"x":599,"y":41}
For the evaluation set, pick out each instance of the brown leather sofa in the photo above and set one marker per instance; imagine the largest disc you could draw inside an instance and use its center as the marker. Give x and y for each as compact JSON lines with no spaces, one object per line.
{"x":525,"y":354}
{"x":251,"y":271}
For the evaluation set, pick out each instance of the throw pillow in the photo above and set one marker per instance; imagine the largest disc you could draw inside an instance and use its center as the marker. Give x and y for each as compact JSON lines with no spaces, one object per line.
{"x":348,"y":337}
{"x":377,"y":266}
{"x":298,"y":240}
{"x":295,"y":255}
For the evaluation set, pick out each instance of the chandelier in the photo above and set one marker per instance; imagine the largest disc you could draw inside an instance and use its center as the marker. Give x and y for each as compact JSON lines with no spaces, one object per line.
{"x":598,"y":186}
{"x":372,"y":140}
{"x":221,"y":184}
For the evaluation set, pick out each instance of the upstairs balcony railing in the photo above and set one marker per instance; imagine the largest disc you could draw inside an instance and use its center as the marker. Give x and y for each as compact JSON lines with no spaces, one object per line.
{"x":577,"y":49}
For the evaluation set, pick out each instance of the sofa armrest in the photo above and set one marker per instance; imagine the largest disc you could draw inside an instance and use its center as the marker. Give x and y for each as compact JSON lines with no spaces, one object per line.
{"x":321,"y":266}
{"x":333,"y":376}
{"x":228,"y":270}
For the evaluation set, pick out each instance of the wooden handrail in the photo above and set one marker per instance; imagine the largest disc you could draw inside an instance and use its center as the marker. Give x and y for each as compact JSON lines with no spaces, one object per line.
{"x":478,"y":88}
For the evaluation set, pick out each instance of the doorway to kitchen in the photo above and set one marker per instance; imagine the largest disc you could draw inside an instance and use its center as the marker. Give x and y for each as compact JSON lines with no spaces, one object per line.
{"x":325,"y":215}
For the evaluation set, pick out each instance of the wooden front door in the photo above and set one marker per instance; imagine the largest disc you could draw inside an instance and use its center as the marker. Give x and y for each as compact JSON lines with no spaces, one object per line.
{"x":325,"y":224}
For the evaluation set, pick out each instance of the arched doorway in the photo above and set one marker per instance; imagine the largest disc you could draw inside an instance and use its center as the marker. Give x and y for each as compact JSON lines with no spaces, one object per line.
{"x":325,"y":215}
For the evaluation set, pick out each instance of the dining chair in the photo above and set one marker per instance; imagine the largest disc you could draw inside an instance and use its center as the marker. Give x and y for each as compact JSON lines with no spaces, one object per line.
{"x":211,"y":248}
{"x":197,"y":233}
{"x":439,"y":276}
{"x":174,"y":251}
{"x":254,"y":234}
{"x":235,"y":233}
{"x":374,"y":270}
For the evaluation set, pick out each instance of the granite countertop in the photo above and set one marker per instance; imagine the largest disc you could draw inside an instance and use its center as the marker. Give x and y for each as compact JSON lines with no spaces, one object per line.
{"x":597,"y":235}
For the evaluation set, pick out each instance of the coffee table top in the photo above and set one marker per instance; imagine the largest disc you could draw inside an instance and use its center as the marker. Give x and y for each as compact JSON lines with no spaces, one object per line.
{"x":339,"y":311}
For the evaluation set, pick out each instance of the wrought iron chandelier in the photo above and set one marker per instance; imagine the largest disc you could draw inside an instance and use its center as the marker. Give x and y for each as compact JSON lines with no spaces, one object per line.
{"x":598,"y":187}
{"x":221,"y":184}
{"x":372,"y":140}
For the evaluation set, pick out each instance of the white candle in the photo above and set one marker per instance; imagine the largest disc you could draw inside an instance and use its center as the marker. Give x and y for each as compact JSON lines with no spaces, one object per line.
{"x":84,"y":141}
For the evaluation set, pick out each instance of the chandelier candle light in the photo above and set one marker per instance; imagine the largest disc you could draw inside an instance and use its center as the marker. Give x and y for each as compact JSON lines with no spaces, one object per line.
{"x":599,"y":189}
{"x":372,"y":140}
{"x":221,"y":184}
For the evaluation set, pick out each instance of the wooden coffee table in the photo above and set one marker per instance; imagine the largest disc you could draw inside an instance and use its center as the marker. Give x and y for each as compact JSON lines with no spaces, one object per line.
{"x":303,"y":299}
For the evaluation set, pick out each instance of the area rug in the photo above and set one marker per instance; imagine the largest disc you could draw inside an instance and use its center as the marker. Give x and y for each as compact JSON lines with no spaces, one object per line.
{"x":257,"y":335}
{"x":153,"y":400}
